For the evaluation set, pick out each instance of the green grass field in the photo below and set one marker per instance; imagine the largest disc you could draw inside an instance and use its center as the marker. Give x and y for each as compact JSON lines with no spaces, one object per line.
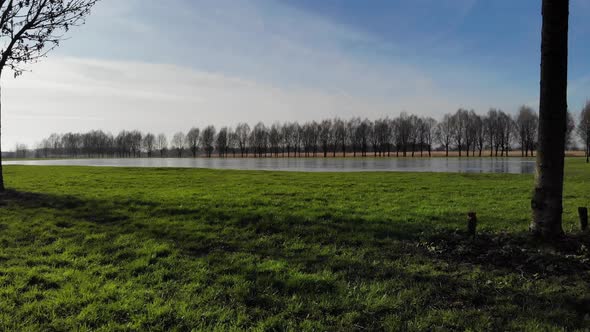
{"x":178,"y":249}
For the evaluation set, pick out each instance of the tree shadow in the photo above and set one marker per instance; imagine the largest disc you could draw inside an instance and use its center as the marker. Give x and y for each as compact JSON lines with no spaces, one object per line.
{"x":300,"y":241}
{"x":63,"y":205}
{"x":513,"y":252}
{"x":510,"y":251}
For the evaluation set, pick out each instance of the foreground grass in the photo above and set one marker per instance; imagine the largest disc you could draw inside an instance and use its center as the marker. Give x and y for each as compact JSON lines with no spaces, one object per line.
{"x":136,"y":249}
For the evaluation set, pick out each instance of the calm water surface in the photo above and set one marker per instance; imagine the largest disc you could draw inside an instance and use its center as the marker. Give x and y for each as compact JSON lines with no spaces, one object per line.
{"x":446,"y":165}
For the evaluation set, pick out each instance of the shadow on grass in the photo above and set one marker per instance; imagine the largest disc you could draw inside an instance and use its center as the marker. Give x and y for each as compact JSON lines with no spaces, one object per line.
{"x":513,"y":251}
{"x":327,"y":242}
{"x":66,"y":206}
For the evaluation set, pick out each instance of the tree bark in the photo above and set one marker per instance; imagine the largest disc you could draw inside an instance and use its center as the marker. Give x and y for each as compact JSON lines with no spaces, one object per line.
{"x":547,"y":205}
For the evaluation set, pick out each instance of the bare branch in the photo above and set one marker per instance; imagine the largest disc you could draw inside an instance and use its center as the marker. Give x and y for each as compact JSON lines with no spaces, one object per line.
{"x":29,"y":30}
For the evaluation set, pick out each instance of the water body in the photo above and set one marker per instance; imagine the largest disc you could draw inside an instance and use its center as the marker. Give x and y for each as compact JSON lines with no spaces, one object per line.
{"x":444,"y":165}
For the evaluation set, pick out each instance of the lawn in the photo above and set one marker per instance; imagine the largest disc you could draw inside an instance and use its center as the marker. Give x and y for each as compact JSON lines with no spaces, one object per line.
{"x":87,"y":248}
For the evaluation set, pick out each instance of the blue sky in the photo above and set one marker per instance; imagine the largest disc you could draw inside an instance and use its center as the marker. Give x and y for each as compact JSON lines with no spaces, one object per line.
{"x":164,"y":66}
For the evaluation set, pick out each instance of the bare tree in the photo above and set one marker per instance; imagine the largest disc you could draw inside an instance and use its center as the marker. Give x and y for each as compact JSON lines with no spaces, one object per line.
{"x":178,"y":143}
{"x":584,"y":129}
{"x":135,"y":139}
{"x":420,"y":131}
{"x":21,"y":150}
{"x":104,"y":143}
{"x":326,"y":135}
{"x":527,"y":123}
{"x":472,"y":126}
{"x":30,"y":29}
{"x":288,"y":134}
{"x":308,"y":134}
{"x":233,"y":142}
{"x":569,"y":131}
{"x":374,"y":138}
{"x":460,"y":119}
{"x":415,"y":123}
{"x":45,"y":147}
{"x":207,"y":140}
{"x":222,"y":141}
{"x":480,"y":139}
{"x":499,"y":132}
{"x":547,"y":204}
{"x":192,"y":140}
{"x":341,"y":135}
{"x":444,"y":132}
{"x":274,"y":139}
{"x":490,"y":128}
{"x":259,"y":139}
{"x":122,"y":142}
{"x":299,"y":138}
{"x":428,"y":132}
{"x":311,"y":138}
{"x":364,"y":132}
{"x":352,"y":132}
{"x":508,"y":129}
{"x":243,"y":134}
{"x":382,"y":133}
{"x":503,"y":128}
{"x":161,"y":144}
{"x":55,"y":143}
{"x":148,"y":143}
{"x":404,"y":132}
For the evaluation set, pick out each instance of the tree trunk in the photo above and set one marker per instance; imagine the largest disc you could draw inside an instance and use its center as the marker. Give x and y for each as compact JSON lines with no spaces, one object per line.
{"x":1,"y":175}
{"x":547,"y":197}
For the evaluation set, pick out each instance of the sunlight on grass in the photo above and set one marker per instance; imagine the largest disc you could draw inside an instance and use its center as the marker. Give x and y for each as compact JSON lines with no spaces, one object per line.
{"x":114,"y":248}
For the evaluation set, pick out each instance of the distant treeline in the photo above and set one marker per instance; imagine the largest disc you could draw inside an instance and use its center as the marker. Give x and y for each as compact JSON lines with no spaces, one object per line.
{"x":494,"y":134}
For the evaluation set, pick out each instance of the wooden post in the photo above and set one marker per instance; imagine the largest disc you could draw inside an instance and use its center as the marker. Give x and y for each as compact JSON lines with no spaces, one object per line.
{"x":471,"y":223}
{"x":583,"y":212}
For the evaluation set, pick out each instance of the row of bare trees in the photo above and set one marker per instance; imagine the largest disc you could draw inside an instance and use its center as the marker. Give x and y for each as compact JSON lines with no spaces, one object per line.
{"x":470,"y":134}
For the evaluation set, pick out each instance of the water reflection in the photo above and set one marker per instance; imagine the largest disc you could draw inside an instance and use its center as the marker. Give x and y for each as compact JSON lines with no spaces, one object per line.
{"x":448,"y":165}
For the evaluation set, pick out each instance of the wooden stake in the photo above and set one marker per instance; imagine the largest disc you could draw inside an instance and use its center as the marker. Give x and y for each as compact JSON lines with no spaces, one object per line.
{"x":471,"y":223}
{"x":583,"y":212}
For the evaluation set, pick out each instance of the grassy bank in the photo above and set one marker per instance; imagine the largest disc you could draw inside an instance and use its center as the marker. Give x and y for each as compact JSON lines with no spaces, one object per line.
{"x":133,"y":249}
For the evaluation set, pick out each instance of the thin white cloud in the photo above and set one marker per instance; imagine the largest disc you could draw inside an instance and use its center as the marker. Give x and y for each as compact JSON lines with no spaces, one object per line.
{"x":166,"y":66}
{"x":72,"y":94}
